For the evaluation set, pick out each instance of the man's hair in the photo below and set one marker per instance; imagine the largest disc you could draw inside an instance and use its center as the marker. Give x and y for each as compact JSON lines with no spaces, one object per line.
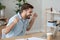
{"x":26,"y":6}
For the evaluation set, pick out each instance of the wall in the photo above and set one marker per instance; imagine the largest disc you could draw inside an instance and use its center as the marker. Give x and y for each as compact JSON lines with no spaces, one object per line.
{"x":49,"y":4}
{"x":39,"y":7}
{"x":0,"y":0}
{"x":11,"y":6}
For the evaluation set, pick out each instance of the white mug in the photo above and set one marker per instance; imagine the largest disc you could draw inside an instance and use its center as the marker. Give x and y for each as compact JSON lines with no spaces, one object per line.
{"x":49,"y":36}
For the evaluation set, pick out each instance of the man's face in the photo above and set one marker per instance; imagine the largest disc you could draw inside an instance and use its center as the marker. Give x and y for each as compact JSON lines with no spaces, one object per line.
{"x":29,"y":13}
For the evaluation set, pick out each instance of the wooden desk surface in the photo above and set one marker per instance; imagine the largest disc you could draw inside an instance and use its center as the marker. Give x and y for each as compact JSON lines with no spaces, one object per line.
{"x":58,"y":36}
{"x":26,"y":36}
{"x":32,"y":35}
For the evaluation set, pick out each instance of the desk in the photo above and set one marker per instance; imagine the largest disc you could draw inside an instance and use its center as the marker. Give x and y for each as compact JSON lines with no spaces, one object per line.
{"x":32,"y":35}
{"x":58,"y":36}
{"x":26,"y":36}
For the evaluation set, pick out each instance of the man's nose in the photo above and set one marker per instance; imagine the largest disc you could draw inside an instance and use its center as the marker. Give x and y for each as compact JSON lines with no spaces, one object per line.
{"x":31,"y":14}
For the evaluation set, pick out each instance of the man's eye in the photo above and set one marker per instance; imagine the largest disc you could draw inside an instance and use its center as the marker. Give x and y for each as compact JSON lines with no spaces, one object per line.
{"x":30,"y":12}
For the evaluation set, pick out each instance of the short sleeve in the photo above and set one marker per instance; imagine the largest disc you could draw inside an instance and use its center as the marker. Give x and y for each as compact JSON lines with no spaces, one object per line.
{"x":11,"y":21}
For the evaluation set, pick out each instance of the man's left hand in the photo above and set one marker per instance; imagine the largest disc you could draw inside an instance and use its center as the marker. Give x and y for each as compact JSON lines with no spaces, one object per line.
{"x":34,"y":16}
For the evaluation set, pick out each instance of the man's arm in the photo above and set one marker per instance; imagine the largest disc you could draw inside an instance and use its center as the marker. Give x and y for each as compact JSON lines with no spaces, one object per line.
{"x":32,"y":21}
{"x":8,"y":29}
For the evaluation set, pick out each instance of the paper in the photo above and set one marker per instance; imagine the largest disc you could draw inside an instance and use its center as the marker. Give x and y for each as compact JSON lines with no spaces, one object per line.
{"x":35,"y":38}
{"x":32,"y":38}
{"x":21,"y":39}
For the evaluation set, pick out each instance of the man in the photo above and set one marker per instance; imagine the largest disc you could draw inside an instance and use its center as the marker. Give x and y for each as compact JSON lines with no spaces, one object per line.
{"x":19,"y":23}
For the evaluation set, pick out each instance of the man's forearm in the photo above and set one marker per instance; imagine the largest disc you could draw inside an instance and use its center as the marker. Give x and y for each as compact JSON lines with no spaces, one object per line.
{"x":31,"y":24}
{"x":32,"y":21}
{"x":7,"y":29}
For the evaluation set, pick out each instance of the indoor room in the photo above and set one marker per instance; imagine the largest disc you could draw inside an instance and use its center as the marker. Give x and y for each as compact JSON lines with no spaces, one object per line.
{"x":29,"y":20}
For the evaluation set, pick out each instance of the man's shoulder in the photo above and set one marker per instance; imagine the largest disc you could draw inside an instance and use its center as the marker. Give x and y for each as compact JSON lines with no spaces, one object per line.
{"x":15,"y":17}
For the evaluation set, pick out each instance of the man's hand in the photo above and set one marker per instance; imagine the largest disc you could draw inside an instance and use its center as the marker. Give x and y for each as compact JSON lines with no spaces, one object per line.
{"x":34,"y":16}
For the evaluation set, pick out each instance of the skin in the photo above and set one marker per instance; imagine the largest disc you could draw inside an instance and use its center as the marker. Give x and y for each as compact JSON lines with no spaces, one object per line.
{"x":26,"y":14}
